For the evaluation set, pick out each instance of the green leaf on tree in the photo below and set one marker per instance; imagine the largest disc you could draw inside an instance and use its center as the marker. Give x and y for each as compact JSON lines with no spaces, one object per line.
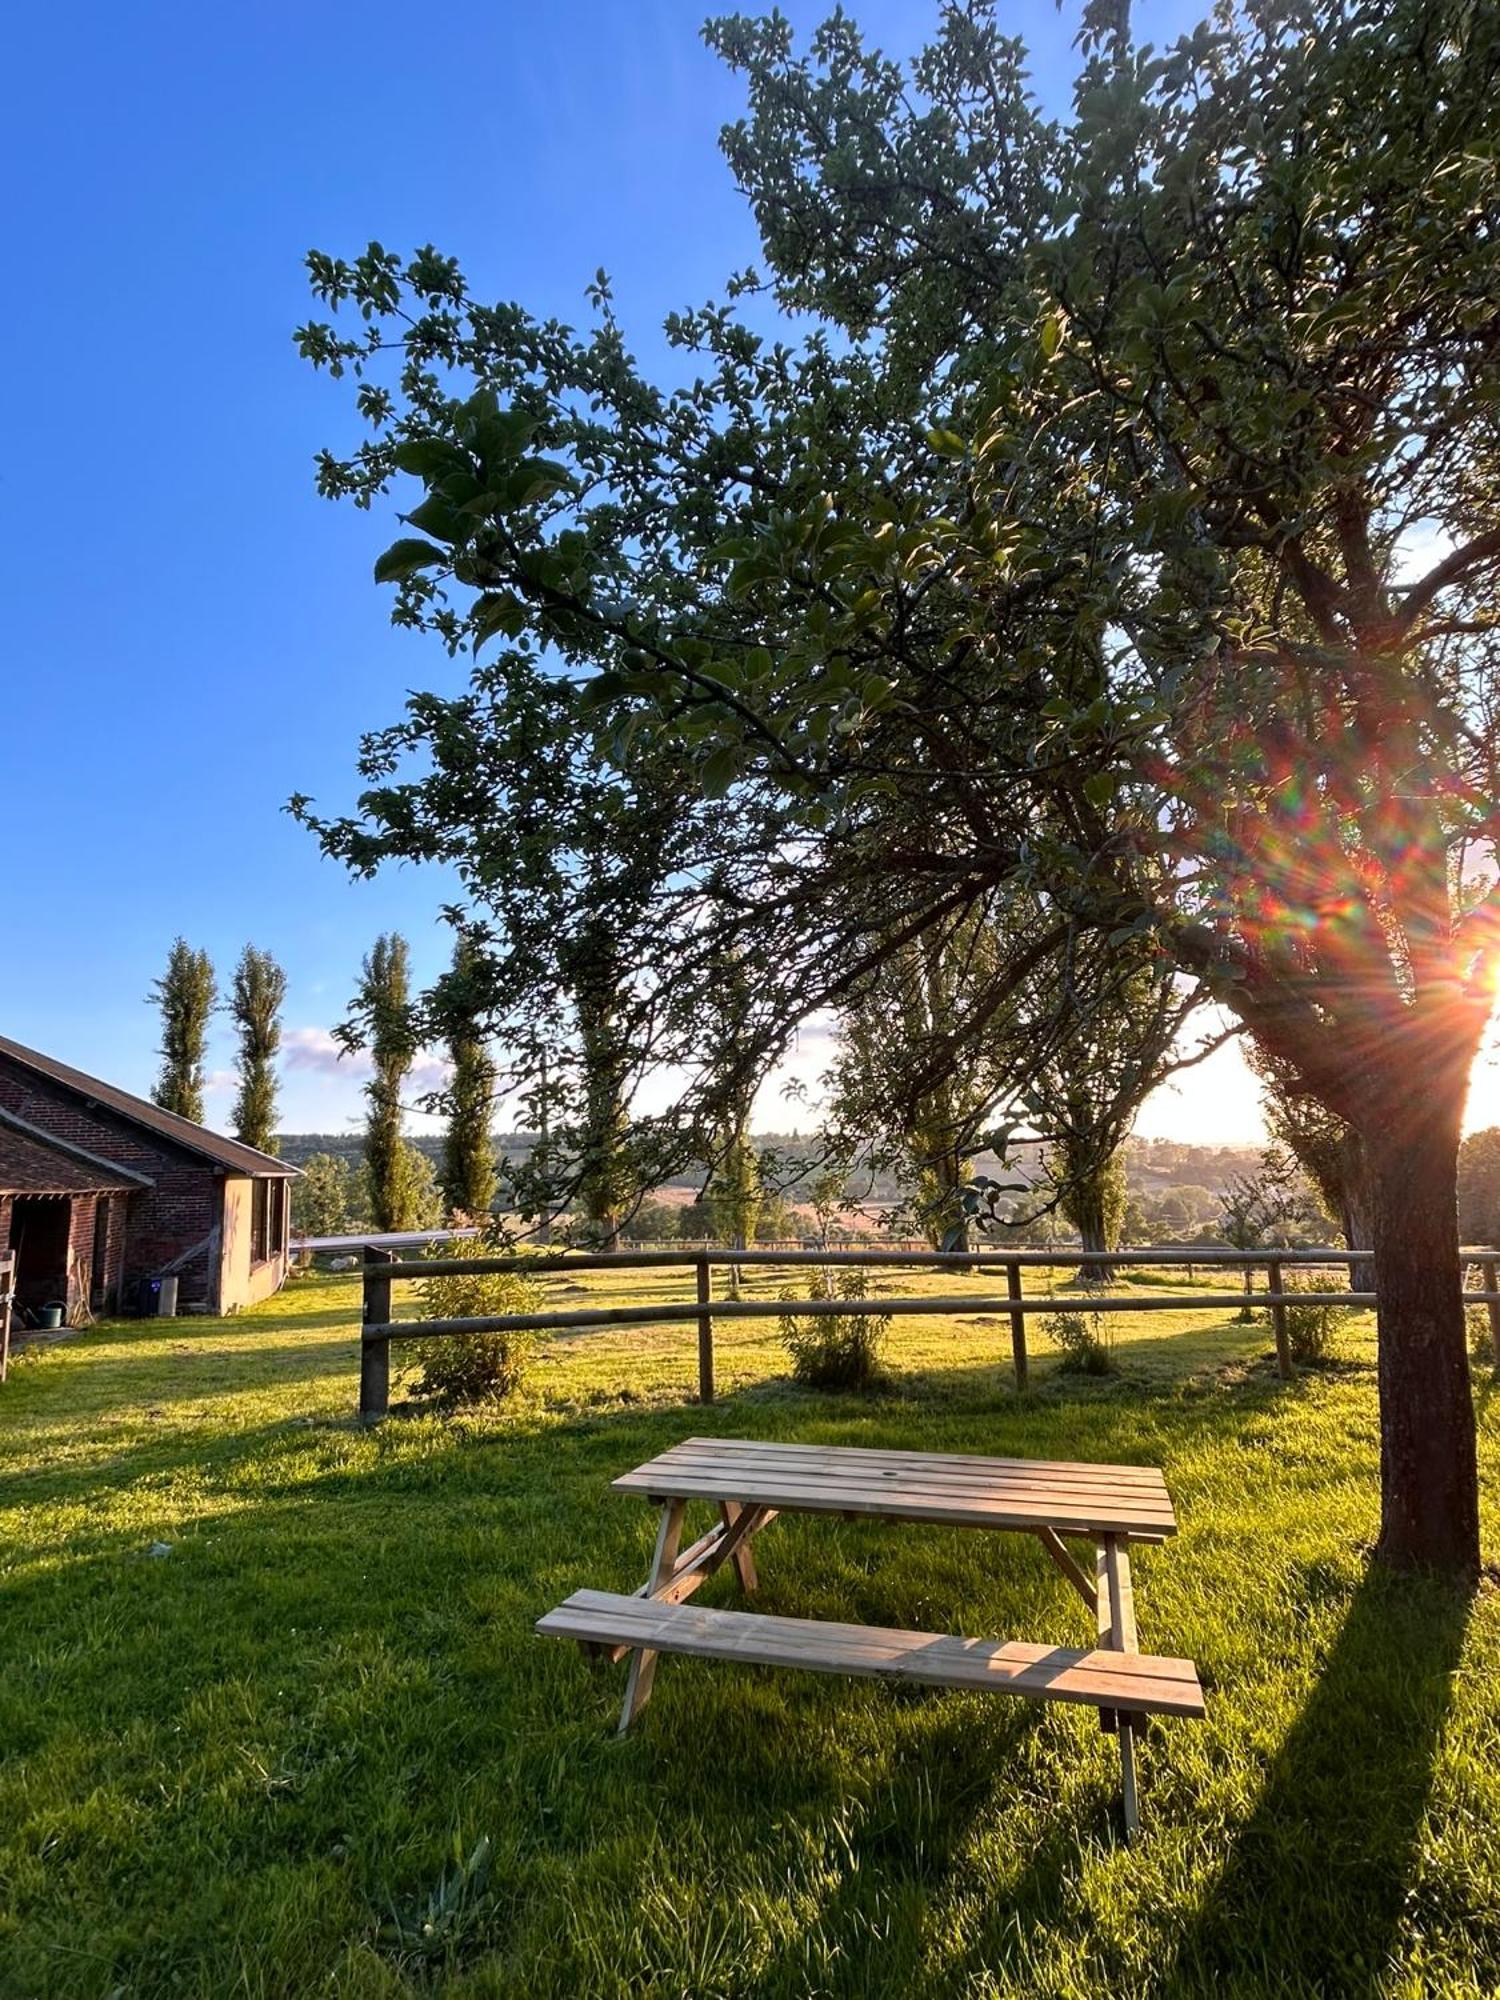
{"x":404,"y":558}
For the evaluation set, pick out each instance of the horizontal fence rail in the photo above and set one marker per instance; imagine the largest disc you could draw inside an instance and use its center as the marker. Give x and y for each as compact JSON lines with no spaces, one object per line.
{"x":382,"y":1269}
{"x":541,"y":1265}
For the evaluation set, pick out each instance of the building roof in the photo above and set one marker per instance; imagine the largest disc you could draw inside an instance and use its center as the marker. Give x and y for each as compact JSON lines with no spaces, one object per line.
{"x":227,"y":1154}
{"x":32,"y":1164}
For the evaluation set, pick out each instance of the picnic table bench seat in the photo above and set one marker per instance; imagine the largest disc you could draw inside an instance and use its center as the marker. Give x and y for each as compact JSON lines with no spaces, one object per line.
{"x":1099,"y":1677}
{"x":750,"y":1482}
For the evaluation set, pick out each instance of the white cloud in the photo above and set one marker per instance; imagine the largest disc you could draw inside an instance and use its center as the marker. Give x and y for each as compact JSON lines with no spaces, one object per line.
{"x":315,"y":1052}
{"x":315,"y":1049}
{"x":429,"y":1072}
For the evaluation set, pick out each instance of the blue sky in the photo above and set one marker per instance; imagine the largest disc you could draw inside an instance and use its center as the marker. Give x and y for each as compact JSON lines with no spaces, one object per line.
{"x":190,"y":634}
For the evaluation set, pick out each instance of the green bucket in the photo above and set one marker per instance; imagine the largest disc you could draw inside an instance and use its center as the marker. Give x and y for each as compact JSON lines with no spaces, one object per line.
{"x":50,"y":1317}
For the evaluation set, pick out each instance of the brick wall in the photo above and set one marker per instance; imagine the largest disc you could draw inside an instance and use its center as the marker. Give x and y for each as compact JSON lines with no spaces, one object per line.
{"x":184,"y":1209}
{"x":109,"y":1288}
{"x":98,"y":1283}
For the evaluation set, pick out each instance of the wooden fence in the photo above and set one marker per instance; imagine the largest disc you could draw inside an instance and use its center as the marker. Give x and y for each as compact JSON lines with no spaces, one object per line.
{"x":382,"y":1269}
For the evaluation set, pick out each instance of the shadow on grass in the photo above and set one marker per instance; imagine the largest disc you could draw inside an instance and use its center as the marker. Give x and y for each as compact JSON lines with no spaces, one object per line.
{"x":276,"y":1317}
{"x":1310,"y":1895}
{"x":907,"y":1852}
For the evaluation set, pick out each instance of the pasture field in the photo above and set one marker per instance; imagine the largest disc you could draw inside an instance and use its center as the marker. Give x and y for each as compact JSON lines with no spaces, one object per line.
{"x":273,"y":1721}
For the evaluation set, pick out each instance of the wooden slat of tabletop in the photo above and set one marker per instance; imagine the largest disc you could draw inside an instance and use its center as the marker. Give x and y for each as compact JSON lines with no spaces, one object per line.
{"x":908,"y":1478}
{"x":963,"y":1461}
{"x":978,"y":1474}
{"x":898,"y":1484}
{"x":834,"y":1479}
{"x":1142,"y":1682}
{"x":810,"y":1495}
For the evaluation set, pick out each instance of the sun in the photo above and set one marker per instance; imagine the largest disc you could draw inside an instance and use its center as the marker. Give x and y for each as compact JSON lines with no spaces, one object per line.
{"x":1483,"y":1107}
{"x":1217,"y":1103}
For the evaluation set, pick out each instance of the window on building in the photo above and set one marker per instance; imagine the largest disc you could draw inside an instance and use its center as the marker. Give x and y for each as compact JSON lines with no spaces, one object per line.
{"x":268,"y":1219}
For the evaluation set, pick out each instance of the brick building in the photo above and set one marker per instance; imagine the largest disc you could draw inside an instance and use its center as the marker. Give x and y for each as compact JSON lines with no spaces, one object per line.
{"x":99,"y":1190}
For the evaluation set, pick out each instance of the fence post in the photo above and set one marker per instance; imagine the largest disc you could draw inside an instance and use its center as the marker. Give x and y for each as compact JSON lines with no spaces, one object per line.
{"x":375,"y":1355}
{"x":1490,"y":1267}
{"x":1278,"y":1321}
{"x":1017,"y":1322}
{"x":705,"y":1333}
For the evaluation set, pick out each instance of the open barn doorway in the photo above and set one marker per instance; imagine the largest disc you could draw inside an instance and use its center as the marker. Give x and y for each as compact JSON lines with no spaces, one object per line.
{"x":39,"y":1232}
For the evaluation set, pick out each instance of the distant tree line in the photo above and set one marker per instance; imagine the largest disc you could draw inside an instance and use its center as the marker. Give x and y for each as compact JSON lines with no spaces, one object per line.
{"x":751,"y":1190}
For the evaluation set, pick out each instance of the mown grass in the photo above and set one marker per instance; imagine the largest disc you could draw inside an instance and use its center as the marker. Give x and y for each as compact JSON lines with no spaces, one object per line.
{"x":262,"y":1763}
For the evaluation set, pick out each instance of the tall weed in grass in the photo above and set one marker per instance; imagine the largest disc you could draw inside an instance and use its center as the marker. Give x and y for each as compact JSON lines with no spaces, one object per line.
{"x":834,"y":1350}
{"x":1086,"y":1340}
{"x":1313,"y":1332}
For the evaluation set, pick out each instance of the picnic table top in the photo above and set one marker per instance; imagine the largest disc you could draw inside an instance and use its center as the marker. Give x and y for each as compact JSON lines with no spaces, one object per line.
{"x":950,"y":1487}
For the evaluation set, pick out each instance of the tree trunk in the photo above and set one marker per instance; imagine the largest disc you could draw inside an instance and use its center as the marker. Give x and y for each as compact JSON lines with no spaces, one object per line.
{"x":940,"y":1176}
{"x":1246,"y":1314}
{"x":1087,"y":1209}
{"x":1355,"y":1218}
{"x":1428,"y":1477}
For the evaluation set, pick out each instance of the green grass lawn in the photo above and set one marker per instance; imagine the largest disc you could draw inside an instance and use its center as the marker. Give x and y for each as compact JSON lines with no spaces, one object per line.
{"x":247,"y":1766}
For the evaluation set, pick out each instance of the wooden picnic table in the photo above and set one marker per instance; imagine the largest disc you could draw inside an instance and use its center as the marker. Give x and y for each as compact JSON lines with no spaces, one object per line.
{"x":751,"y":1482}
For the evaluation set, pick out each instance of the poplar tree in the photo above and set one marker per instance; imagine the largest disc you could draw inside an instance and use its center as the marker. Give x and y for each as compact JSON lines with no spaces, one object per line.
{"x":380,"y":1020}
{"x":185,"y":994}
{"x":255,"y":1004}
{"x":467,"y":1176}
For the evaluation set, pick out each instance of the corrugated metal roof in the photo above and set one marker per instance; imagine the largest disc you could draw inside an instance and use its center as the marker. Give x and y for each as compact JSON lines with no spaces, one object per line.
{"x":386,"y":1239}
{"x":226,"y":1153}
{"x":31,"y":1165}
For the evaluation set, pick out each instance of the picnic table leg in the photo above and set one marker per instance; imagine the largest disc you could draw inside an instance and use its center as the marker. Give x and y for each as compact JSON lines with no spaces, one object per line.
{"x":663,"y":1562}
{"x":1116,"y":1619}
{"x":1062,"y":1555}
{"x":740,"y":1556}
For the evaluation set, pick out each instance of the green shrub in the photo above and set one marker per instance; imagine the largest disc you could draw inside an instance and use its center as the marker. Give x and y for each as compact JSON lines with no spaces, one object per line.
{"x":1086,"y":1340}
{"x":1312,"y":1332}
{"x":473,"y":1367}
{"x":834,"y":1350}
